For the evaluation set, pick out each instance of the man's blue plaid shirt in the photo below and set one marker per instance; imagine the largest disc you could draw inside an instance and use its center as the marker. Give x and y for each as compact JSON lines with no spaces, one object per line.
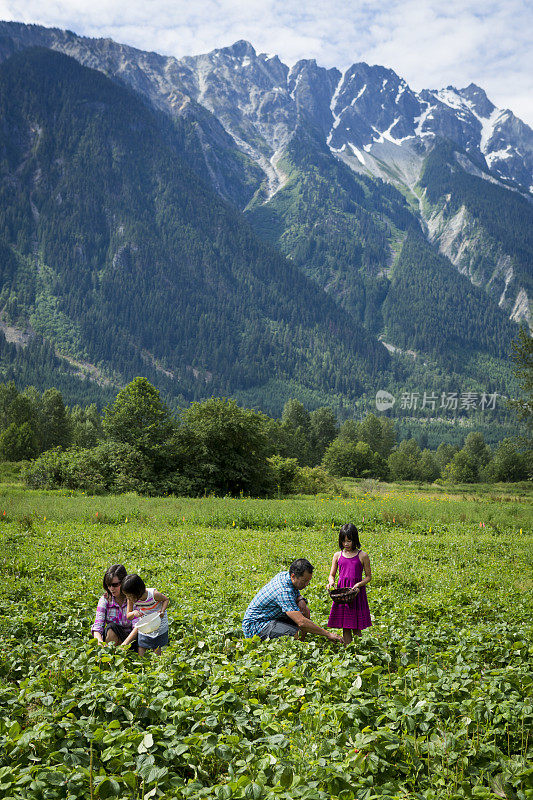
{"x":272,"y":601}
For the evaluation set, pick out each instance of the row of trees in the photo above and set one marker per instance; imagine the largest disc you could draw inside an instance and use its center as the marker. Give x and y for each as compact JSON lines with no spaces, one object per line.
{"x":215,"y":446}
{"x":31,"y":423}
{"x":472,"y":463}
{"x":211,"y":447}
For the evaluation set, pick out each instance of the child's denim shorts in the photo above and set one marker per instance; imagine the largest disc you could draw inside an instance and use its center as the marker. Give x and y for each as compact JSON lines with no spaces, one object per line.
{"x":152,"y":642}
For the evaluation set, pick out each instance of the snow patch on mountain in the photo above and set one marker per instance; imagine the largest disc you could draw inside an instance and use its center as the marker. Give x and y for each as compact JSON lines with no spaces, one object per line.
{"x":420,"y":121}
{"x":387,"y":135}
{"x":488,"y":124}
{"x":394,"y":163}
{"x":333,"y":105}
{"x":357,"y":153}
{"x":450,"y":98}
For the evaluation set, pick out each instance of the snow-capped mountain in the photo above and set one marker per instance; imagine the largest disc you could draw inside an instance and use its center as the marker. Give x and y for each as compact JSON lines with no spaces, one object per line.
{"x":247,"y":108}
{"x":259,"y":102}
{"x":256,"y":97}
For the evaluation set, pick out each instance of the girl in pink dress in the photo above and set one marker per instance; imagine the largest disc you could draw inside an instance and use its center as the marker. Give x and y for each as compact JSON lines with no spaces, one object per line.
{"x":351,"y":561}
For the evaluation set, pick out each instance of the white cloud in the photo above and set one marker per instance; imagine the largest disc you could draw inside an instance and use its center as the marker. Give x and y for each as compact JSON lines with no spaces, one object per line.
{"x":431,"y":43}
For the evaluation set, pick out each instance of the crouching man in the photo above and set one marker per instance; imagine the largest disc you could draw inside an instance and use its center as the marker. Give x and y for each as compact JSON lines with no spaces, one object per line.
{"x":278,"y":609}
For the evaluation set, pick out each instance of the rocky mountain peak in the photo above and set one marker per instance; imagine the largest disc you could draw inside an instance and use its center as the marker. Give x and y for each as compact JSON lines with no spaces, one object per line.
{"x":478,"y":99}
{"x":260,"y":102}
{"x":240,"y":49}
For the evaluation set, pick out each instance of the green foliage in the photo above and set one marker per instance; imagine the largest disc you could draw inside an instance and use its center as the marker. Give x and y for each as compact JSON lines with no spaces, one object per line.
{"x":461,"y":469}
{"x":322,"y":431}
{"x":217,"y":447}
{"x":296,"y":434}
{"x":56,"y":429}
{"x":522,"y":355}
{"x":110,"y":467}
{"x":296,"y":415}
{"x":18,"y":442}
{"x":86,"y":426}
{"x":290,"y":478}
{"x":433,"y":701}
{"x":30,"y":424}
{"x":139,"y":417}
{"x":378,"y":433}
{"x":223,"y":449}
{"x":316,"y":480}
{"x":344,"y":458}
{"x":509,"y":464}
{"x":444,"y":454}
{"x":470,"y":464}
{"x":404,"y":462}
{"x":477,"y":450}
{"x":284,"y":472}
{"x":428,"y":468}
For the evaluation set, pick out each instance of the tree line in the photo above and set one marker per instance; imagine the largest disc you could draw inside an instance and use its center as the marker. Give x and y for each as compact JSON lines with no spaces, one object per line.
{"x":215,"y":446}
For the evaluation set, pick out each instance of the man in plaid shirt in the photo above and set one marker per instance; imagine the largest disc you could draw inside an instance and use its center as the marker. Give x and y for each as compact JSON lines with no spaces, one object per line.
{"x":278,"y":609}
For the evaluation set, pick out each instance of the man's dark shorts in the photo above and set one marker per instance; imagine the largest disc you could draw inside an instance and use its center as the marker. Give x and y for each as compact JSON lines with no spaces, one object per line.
{"x":282,"y":626}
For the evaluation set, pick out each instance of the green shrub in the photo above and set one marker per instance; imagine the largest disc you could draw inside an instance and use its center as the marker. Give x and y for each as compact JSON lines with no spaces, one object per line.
{"x":345,"y":458}
{"x":315,"y":480}
{"x":284,"y":472}
{"x":109,"y":467}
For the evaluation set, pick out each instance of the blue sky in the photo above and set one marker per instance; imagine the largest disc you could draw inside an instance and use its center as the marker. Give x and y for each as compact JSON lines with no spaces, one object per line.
{"x":430,"y":43}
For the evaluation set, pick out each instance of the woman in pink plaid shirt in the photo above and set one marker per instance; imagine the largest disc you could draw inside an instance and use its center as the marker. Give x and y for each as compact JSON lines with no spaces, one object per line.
{"x":111,"y":624}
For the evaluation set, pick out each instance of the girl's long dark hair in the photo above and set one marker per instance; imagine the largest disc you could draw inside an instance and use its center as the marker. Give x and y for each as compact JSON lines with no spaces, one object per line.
{"x":349,"y":531}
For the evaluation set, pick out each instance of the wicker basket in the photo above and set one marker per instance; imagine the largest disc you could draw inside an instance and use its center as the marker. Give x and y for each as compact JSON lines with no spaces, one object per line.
{"x":344,"y":595}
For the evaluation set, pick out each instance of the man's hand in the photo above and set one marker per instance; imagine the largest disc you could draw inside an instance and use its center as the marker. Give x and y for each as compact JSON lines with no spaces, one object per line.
{"x":334,"y":637}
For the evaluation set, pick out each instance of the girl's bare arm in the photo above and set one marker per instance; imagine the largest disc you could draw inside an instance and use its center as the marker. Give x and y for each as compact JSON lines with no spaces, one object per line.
{"x":333,"y":571}
{"x":130,"y":613}
{"x":162,"y":598}
{"x":365,"y":559}
{"x":130,"y":637}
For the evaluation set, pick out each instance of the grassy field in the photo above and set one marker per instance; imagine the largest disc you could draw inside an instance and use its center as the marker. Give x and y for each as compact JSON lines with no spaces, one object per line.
{"x":435,"y":700}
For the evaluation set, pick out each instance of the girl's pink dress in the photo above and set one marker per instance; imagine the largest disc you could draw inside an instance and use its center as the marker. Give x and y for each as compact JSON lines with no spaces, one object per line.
{"x":356,"y":613}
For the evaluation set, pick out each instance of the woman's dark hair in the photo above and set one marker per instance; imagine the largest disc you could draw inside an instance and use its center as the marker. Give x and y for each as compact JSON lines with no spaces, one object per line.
{"x":349,"y":531}
{"x":118,"y":571}
{"x":134,"y":585}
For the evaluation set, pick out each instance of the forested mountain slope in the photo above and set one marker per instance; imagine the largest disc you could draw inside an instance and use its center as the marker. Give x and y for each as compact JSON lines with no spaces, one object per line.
{"x":338,"y":227}
{"x":485,"y":229}
{"x":430,"y":307}
{"x":122,"y":256}
{"x":373,"y":208}
{"x":246,"y":110}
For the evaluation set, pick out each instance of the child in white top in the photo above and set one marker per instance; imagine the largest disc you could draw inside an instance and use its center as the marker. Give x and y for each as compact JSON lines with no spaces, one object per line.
{"x":142,"y":601}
